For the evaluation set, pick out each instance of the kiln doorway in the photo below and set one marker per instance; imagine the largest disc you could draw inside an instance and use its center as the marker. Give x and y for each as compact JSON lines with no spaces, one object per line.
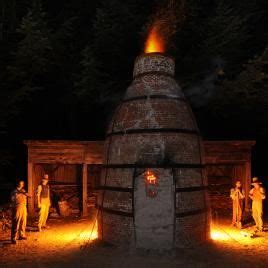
{"x":154,"y":210}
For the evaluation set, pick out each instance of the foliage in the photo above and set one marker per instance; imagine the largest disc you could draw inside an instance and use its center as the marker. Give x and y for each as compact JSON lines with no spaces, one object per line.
{"x":107,"y":59}
{"x":245,"y":98}
{"x":29,"y":62}
{"x":64,"y":63}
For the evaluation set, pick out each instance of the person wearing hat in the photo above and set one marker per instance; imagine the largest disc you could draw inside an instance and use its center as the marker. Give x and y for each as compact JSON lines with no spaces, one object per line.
{"x":257,"y":194}
{"x":238,"y":195}
{"x":43,"y":199}
{"x":19,"y":212}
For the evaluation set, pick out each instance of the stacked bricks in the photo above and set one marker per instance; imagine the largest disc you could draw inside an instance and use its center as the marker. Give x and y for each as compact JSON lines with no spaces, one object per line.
{"x":153,"y":128}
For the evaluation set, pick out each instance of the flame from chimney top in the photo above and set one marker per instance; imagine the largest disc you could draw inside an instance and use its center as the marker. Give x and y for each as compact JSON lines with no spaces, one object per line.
{"x":163,"y":26}
{"x":155,"y":42}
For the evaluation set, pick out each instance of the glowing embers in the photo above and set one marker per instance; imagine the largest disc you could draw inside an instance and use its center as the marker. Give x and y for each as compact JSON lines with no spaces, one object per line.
{"x":151,"y":184}
{"x":155,"y":42}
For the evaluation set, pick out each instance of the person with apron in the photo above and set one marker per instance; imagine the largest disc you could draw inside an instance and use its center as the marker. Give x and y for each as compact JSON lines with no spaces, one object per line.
{"x":19,"y":212}
{"x":257,"y":195}
{"x":43,"y":199}
{"x":238,"y":195}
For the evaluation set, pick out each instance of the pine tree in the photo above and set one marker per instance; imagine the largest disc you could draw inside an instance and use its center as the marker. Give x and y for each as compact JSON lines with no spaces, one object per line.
{"x":25,"y":75}
{"x":213,"y":41}
{"x":107,"y":60}
{"x":244,"y":99}
{"x":30,"y":61}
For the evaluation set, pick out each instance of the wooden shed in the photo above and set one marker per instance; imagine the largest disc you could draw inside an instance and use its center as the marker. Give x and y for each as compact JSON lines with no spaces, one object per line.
{"x":74,"y":167}
{"x":226,"y":162}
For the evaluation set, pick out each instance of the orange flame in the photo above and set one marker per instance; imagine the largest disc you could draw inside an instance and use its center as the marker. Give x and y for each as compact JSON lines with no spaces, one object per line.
{"x":150,"y":177}
{"x":155,"y":41}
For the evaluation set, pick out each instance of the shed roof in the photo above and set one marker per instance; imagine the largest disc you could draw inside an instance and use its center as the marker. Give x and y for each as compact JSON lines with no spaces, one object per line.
{"x":91,"y":152}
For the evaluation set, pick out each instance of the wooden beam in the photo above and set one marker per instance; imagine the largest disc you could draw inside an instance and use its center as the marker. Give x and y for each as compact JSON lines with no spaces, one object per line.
{"x":247,"y":184}
{"x":84,"y":182}
{"x":30,"y":189}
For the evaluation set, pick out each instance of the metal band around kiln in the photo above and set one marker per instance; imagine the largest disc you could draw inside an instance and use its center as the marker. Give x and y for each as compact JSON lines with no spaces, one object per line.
{"x":129,"y":190}
{"x":154,"y":130}
{"x":130,"y":214}
{"x":191,"y":213}
{"x":160,"y":165}
{"x":164,"y":97}
{"x":191,"y":189}
{"x":158,"y":73}
{"x":115,"y":212}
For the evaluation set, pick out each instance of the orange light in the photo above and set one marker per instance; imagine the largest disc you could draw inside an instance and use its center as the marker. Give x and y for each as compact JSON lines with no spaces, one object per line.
{"x":94,"y":234}
{"x":219,"y":235}
{"x":75,"y":234}
{"x":229,"y":235}
{"x":155,"y":41}
{"x":150,"y":177}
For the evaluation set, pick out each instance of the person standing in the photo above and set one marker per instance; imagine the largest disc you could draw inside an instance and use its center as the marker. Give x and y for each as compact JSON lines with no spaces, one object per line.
{"x":43,"y":199}
{"x":257,"y":194}
{"x":19,"y":213}
{"x":238,"y":195}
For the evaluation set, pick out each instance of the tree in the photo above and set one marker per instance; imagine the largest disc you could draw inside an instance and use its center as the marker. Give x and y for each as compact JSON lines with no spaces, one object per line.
{"x":107,"y":59}
{"x":30,"y":60}
{"x":25,"y":76}
{"x":212,"y":41}
{"x":243,"y":100}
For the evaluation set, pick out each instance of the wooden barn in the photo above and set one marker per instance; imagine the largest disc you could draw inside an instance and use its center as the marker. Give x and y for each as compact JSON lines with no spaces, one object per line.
{"x":74,"y":168}
{"x":226,"y":162}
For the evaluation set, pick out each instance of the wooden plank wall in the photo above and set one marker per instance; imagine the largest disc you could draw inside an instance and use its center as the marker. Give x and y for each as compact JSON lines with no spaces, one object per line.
{"x":65,"y":152}
{"x":63,"y":161}
{"x":58,"y":173}
{"x":226,"y":162}
{"x":66,"y":182}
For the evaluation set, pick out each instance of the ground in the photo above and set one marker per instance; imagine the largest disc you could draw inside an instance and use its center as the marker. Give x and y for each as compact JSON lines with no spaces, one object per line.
{"x":69,"y":243}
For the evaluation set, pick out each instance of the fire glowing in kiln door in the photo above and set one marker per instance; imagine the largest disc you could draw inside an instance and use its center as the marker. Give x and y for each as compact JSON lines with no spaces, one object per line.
{"x":151,"y":184}
{"x":150,"y":177}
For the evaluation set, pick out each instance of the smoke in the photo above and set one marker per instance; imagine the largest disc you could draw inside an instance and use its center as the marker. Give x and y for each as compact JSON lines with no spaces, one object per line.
{"x":164,"y":24}
{"x":201,"y":93}
{"x":166,"y":21}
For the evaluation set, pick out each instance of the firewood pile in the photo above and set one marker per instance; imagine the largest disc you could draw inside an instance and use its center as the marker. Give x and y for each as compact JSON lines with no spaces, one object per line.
{"x":67,"y":199}
{"x":5,"y":217}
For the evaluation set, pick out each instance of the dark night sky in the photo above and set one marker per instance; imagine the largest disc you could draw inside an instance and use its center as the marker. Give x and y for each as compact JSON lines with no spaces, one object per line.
{"x":66,"y":64}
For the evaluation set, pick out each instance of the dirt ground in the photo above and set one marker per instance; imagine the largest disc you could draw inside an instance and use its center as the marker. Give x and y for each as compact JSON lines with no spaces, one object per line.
{"x":69,"y":243}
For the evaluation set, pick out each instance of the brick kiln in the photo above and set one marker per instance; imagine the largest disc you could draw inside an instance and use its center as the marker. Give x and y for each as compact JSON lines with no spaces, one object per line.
{"x":153,"y":189}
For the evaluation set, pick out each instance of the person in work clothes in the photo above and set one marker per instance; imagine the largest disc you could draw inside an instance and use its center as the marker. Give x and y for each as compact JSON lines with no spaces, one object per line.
{"x":257,"y":194}
{"x":43,"y":199}
{"x":238,"y":195}
{"x":19,"y":212}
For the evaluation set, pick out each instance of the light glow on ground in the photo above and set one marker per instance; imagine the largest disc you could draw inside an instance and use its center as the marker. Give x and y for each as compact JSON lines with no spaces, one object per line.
{"x":229,"y":235}
{"x":68,"y":235}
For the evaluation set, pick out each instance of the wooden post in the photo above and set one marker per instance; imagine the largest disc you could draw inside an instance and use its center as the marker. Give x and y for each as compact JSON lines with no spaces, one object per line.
{"x":30,"y":189}
{"x":84,"y":182}
{"x":247,"y":184}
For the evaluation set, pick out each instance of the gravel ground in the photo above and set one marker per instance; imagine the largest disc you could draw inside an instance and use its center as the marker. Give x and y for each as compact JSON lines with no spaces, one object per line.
{"x":67,"y":244}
